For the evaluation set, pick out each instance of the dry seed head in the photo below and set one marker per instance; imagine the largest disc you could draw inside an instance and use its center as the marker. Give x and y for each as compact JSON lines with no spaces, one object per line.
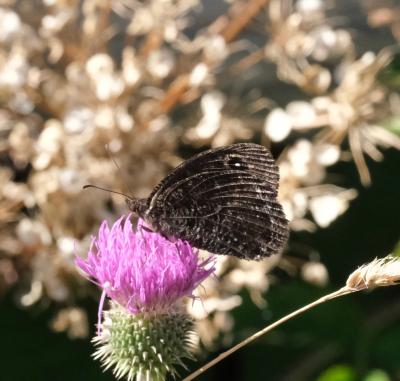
{"x":378,"y":273}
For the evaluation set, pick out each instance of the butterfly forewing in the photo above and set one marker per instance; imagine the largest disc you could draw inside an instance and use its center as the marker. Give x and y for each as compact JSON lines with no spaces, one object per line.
{"x":224,"y":201}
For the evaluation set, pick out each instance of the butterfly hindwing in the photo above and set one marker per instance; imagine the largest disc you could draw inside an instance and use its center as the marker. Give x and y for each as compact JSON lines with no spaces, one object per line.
{"x":224,"y":201}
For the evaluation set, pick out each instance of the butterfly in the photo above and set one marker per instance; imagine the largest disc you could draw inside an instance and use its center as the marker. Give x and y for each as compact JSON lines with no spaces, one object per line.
{"x":223,"y":200}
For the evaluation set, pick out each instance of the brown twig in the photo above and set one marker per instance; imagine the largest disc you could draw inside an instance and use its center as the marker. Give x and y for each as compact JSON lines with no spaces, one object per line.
{"x":152,"y":42}
{"x":248,"y":61}
{"x":247,"y":12}
{"x":174,"y":93}
{"x":231,"y":30}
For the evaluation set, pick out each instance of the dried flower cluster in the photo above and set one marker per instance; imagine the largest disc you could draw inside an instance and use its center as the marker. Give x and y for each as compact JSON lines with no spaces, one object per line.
{"x":145,"y":78}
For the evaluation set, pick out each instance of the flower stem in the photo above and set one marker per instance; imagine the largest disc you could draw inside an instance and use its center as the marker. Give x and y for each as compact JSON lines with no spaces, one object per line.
{"x":341,"y":292}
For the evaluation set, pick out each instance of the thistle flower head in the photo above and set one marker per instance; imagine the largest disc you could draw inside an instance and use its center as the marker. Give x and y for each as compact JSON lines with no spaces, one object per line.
{"x":143,"y":271}
{"x":143,"y":335}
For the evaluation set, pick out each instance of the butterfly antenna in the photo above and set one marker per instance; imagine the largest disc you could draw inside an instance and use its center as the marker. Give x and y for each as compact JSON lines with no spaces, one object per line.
{"x":110,"y":155}
{"x":107,"y":190}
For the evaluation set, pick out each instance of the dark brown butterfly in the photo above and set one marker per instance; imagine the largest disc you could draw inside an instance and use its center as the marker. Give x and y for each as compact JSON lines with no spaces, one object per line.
{"x":223,"y":200}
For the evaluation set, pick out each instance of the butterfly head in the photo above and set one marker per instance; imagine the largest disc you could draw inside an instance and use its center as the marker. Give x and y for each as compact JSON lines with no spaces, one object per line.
{"x":137,"y":205}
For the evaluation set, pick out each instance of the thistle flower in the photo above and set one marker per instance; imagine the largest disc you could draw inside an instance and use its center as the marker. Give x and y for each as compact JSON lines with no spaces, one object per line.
{"x":145,"y":334}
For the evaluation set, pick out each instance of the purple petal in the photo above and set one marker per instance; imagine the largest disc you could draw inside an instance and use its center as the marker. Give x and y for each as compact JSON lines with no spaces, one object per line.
{"x":142,"y":270}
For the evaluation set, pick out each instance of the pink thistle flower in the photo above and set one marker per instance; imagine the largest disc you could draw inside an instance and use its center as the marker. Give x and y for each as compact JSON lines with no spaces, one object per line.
{"x":144,"y":334}
{"x":143,"y":271}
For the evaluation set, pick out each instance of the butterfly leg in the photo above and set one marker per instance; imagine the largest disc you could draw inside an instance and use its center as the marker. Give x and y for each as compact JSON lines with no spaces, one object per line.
{"x":148,"y":229}
{"x":177,"y":247}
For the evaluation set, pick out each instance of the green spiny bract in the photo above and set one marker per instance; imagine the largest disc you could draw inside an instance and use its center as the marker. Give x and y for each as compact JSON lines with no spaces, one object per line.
{"x":144,"y":346}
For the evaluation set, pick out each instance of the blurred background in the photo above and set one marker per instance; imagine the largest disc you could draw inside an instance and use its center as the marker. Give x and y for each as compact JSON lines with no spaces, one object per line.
{"x":157,"y":81}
